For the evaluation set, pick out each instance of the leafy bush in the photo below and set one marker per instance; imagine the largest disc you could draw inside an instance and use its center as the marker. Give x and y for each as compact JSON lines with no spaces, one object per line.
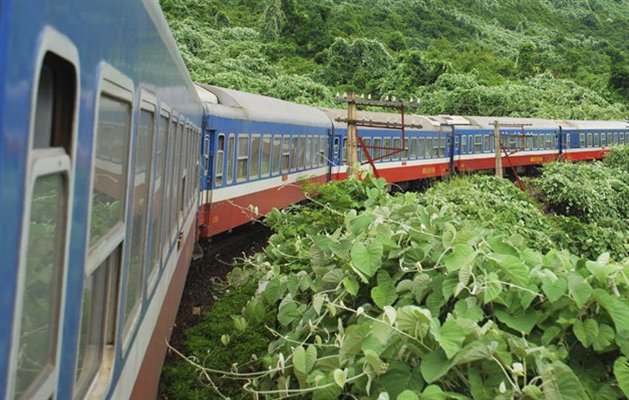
{"x":392,"y":296}
{"x":588,"y":191}
{"x":618,"y":158}
{"x":493,"y":203}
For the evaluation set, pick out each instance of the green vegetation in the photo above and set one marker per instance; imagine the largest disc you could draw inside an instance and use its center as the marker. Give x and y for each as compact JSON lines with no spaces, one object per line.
{"x":470,"y":290}
{"x":556,"y":59}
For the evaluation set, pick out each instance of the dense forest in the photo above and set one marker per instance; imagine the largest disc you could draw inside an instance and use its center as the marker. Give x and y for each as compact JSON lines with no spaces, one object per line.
{"x":545,"y":58}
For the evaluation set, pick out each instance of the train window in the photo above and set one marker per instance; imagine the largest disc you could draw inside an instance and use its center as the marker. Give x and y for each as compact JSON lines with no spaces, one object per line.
{"x":621,"y":137}
{"x":442,"y":147}
{"x":428,"y":148}
{"x":302,"y":152}
{"x":336,"y":147}
{"x":106,"y":231}
{"x":285,"y":154}
{"x":308,"y":162}
{"x":230,"y":158}
{"x":166,"y":227}
{"x":463,"y":144}
{"x":243,"y":157}
{"x":176,"y":196}
{"x":413,"y":148}
{"x":377,"y":143}
{"x":420,"y":148}
{"x":478,"y":144}
{"x":140,"y":208}
{"x":567,"y":141}
{"x":266,"y":155}
{"x":581,"y":140}
{"x":615,"y":137}
{"x":110,"y":167}
{"x":610,"y":138}
{"x":387,"y":143}
{"x":549,"y":142}
{"x":220,"y":156}
{"x":254,"y":169}
{"x":597,"y":139}
{"x":277,"y":155}
{"x":293,"y":152}
{"x":590,"y":140}
{"x":97,"y":335}
{"x":158,"y":190}
{"x":487,"y":139}
{"x":397,"y":144}
{"x":322,"y":150}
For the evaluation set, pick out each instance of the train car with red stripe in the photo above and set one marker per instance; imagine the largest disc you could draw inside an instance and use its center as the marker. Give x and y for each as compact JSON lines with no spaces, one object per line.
{"x":257,"y":154}
{"x":100,"y":129}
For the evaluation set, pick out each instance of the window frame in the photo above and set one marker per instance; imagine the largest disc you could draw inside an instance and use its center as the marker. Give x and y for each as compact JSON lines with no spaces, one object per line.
{"x":116,"y":85}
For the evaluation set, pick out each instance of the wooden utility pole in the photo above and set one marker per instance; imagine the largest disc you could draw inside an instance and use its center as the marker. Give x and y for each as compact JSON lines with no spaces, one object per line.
{"x":498,"y":146}
{"x":352,"y":136}
{"x":497,"y":149}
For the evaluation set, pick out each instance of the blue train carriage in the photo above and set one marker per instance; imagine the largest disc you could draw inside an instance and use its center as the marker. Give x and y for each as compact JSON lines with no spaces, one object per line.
{"x":524,"y":141}
{"x":100,"y":132}
{"x":590,"y":140}
{"x":258,"y":152}
{"x":425,"y":151}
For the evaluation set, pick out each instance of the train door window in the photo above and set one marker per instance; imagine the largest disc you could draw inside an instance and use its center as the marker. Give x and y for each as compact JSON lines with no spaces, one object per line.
{"x":567,"y":141}
{"x":293,"y":152}
{"x":336,"y":147}
{"x":344,"y":158}
{"x":397,"y":144}
{"x":175,"y":206}
{"x":107,"y":233}
{"x":243,"y":157}
{"x":206,"y":154}
{"x":139,"y":213}
{"x":158,"y":190}
{"x":581,"y":140}
{"x":277,"y":154}
{"x":302,"y":152}
{"x":230,"y":158}
{"x":266,"y":155}
{"x":254,"y":169}
{"x":43,"y":251}
{"x":220,"y":158}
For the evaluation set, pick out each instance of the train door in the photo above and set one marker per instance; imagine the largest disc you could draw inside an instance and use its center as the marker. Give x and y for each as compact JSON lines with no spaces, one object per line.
{"x":336,"y":150}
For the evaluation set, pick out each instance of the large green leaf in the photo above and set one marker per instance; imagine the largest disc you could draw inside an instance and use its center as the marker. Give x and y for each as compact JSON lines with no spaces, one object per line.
{"x":523,"y":321}
{"x":435,"y":365}
{"x":366,"y":259}
{"x":554,"y":290}
{"x":617,"y":308}
{"x":461,"y":256}
{"x":304,"y":360}
{"x":560,"y":383}
{"x":450,"y":336}
{"x":413,"y":320}
{"x":384,"y":294}
{"x":493,"y":288}
{"x":579,"y":289}
{"x":621,"y":372}
{"x":400,"y":377}
{"x":360,"y":223}
{"x":354,"y":335}
{"x":512,"y":267}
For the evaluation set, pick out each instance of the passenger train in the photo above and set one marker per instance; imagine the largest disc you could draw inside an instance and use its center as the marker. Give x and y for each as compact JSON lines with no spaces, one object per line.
{"x":113,"y":164}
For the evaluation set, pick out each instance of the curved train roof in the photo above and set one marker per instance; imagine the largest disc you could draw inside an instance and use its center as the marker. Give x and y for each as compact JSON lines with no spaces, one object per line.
{"x":231,"y":103}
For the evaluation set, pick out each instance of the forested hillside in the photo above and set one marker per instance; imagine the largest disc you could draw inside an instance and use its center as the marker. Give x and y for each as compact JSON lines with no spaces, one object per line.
{"x":545,"y":58}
